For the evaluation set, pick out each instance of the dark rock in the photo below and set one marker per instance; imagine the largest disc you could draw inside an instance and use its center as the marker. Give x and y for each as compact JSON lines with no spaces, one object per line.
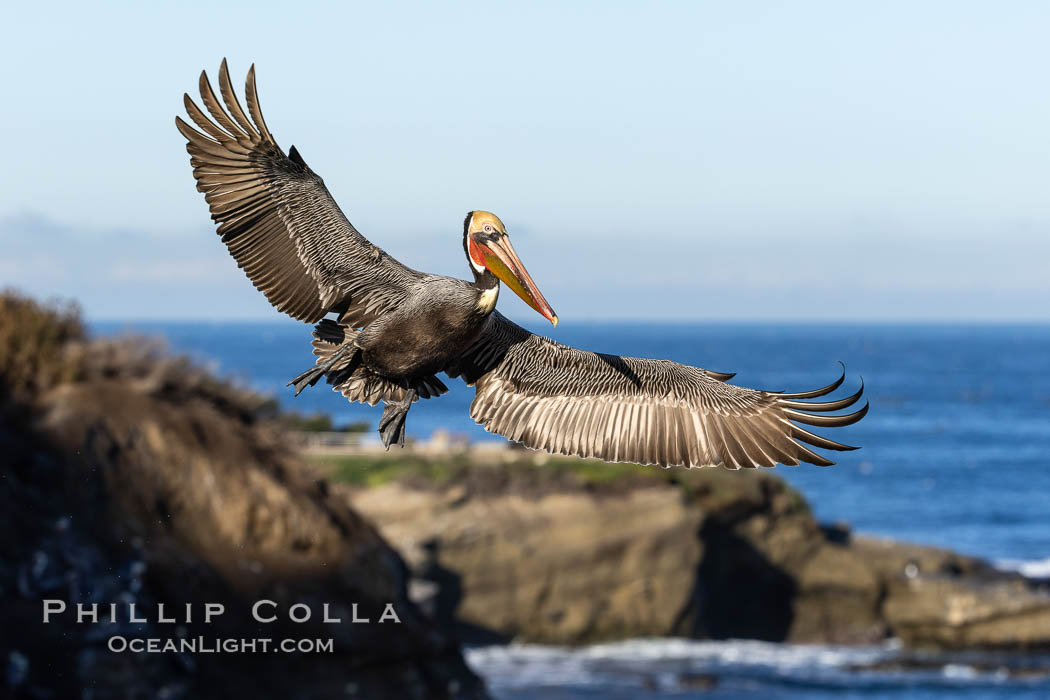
{"x":128,"y":477}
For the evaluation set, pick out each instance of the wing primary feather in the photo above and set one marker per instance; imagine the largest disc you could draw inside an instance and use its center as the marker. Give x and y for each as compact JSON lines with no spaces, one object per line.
{"x":232,"y":104}
{"x":201,"y":120}
{"x":827,"y":421}
{"x":808,"y":455}
{"x":191,"y":134}
{"x":826,"y":405}
{"x":251,"y":95}
{"x":211,"y":102}
{"x":819,"y":441}
{"x":817,"y":392}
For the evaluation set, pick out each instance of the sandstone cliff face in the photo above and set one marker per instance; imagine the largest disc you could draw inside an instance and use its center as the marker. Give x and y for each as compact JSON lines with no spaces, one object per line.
{"x":146,"y":481}
{"x":563,"y":567}
{"x":707,"y":554}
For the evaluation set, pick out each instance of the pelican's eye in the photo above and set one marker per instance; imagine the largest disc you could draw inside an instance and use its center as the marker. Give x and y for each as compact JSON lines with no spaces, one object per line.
{"x":488,"y":228}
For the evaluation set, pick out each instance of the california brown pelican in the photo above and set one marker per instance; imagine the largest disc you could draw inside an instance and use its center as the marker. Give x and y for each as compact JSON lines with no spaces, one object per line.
{"x":396,"y":328}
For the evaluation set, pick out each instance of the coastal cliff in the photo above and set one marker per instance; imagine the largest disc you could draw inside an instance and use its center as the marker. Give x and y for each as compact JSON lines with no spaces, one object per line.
{"x":132,"y":477}
{"x":547,"y":553}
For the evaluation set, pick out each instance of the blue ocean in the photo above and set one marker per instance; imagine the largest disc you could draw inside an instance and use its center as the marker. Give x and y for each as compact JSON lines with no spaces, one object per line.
{"x":955,"y":453}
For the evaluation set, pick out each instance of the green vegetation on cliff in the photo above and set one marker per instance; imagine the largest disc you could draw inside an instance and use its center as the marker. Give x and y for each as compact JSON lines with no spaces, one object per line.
{"x":459,"y":467}
{"x":532,"y":473}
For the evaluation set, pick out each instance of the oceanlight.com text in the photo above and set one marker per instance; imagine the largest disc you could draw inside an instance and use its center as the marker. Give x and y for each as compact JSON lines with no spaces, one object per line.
{"x":204,"y":645}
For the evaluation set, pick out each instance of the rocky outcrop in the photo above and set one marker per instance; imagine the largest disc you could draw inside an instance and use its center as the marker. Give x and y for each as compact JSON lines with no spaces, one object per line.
{"x":955,"y":612}
{"x":706,"y":553}
{"x":131,"y":478}
{"x":563,"y":567}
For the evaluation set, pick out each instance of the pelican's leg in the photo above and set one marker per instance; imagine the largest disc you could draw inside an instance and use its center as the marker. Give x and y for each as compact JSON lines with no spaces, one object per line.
{"x":312,"y":375}
{"x":392,"y":422}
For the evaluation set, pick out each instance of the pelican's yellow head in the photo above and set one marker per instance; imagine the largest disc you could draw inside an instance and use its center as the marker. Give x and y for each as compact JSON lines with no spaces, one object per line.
{"x":489,"y":250}
{"x":484,"y":222}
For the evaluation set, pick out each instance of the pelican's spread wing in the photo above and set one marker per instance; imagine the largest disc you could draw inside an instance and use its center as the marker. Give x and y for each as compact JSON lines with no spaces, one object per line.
{"x":624,"y":409}
{"x":277,"y":218}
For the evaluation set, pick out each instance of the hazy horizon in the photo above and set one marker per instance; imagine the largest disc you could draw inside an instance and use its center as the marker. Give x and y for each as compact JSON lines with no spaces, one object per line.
{"x":542,"y":326}
{"x":817,"y":162}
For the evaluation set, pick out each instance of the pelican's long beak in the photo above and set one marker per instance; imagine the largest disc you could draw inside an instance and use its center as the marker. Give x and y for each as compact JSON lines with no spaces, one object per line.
{"x":501,"y":259}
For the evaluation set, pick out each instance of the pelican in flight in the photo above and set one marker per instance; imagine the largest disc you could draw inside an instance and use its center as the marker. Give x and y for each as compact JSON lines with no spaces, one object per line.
{"x":395,"y":329}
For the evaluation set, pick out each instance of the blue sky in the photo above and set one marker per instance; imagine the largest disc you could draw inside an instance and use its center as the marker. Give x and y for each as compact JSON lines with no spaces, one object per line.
{"x":694,"y":160}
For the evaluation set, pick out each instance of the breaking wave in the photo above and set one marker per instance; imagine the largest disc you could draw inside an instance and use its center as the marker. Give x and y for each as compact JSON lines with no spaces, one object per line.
{"x":1037,"y":568}
{"x":663,"y":668}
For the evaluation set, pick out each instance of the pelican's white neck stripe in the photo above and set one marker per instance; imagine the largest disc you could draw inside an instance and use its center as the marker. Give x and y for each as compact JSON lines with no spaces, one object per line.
{"x":487,"y":299}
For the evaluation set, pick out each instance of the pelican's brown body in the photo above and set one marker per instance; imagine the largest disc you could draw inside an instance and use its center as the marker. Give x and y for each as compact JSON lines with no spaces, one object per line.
{"x":433,"y":330}
{"x":394,"y":329}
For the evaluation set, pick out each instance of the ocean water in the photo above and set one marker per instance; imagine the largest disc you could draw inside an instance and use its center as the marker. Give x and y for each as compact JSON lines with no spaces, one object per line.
{"x":955,"y":453}
{"x":680,"y":668}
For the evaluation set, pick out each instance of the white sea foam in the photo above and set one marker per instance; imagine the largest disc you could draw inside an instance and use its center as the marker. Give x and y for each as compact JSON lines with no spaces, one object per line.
{"x":660,"y":662}
{"x":651,"y":668}
{"x":1037,"y":568}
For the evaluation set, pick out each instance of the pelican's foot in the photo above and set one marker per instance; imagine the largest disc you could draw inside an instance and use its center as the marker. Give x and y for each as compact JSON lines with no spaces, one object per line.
{"x":314,"y":374}
{"x":392,"y":422}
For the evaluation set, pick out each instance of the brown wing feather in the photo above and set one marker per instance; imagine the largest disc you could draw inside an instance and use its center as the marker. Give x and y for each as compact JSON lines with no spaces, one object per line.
{"x":623,"y":409}
{"x":278,"y":219}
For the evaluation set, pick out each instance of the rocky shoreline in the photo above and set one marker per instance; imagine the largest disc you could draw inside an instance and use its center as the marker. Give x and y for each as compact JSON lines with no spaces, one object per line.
{"x":707,"y":554}
{"x":133,"y":477}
